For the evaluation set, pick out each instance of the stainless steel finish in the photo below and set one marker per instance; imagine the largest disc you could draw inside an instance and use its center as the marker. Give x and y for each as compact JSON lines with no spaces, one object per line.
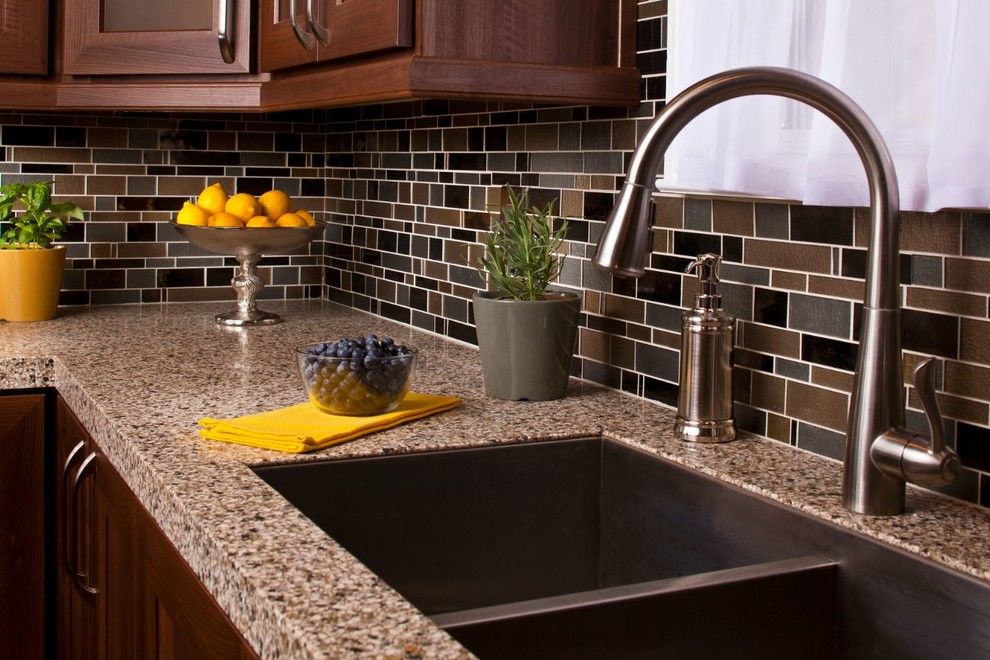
{"x":913,"y":457}
{"x":68,"y":551}
{"x":225,"y":31}
{"x":876,"y":408}
{"x":704,"y":401}
{"x":80,"y":575}
{"x":322,"y":34}
{"x":247,"y":246}
{"x":305,"y":39}
{"x":501,"y":525}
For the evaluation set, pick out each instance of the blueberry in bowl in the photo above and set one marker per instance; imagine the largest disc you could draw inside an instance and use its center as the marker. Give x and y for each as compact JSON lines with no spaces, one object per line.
{"x":357,"y":375}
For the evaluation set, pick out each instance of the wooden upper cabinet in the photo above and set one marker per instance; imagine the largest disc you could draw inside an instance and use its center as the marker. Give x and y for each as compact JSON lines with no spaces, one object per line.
{"x":24,"y":36}
{"x":110,"y":37}
{"x":325,"y":30}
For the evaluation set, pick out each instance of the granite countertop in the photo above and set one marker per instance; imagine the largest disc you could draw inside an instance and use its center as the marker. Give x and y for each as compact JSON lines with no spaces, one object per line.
{"x":139,"y":377}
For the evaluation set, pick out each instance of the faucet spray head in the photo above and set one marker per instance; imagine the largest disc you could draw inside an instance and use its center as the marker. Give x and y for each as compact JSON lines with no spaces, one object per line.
{"x":625,"y":242}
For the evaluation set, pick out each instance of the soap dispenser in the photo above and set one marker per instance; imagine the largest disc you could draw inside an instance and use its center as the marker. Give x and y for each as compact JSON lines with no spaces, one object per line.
{"x":704,"y":404}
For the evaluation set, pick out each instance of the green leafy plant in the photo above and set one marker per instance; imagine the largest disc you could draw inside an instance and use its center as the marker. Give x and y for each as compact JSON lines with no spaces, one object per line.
{"x":41,"y":221}
{"x":521,"y":256}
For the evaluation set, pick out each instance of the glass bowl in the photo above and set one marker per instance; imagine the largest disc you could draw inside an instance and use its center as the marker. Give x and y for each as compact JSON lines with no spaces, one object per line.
{"x":366,"y":385}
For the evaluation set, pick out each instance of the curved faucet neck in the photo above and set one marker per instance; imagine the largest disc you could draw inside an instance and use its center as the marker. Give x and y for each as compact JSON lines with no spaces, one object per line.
{"x":882,"y":277}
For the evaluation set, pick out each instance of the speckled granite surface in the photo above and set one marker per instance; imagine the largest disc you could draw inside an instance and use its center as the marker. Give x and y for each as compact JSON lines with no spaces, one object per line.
{"x":140,"y":377}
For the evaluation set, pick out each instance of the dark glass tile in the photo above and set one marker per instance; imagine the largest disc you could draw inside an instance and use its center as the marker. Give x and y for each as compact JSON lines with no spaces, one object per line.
{"x":106,"y":279}
{"x":827,"y":316}
{"x":658,"y":390}
{"x":658,"y":362}
{"x":973,"y":446}
{"x":463,"y":332}
{"x":267,"y":171}
{"x":288,"y":142}
{"x":394,"y":312}
{"x":659,"y":287}
{"x":206,"y":158}
{"x":607,"y":324}
{"x":669,"y":262}
{"x":577,"y":230}
{"x":140,"y":232}
{"x":151,"y":295}
{"x":603,"y":374}
{"x":829,"y":352}
{"x":495,"y":138}
{"x":976,"y":234}
{"x":418,"y":299}
{"x":820,"y":441}
{"x":36,"y":136}
{"x":692,"y":244}
{"x":182,"y":139}
{"x":854,"y":265}
{"x":73,"y":297}
{"x":465,"y":235}
{"x":598,"y":205}
{"x":822,"y":224}
{"x":749,"y":419}
{"x":630,"y":382}
{"x":466,"y":161}
{"x":456,"y":196}
{"x":652,"y":63}
{"x":732,"y":248}
{"x":340,"y":160}
{"x":219,"y":276}
{"x":770,"y":306}
{"x":131,"y":203}
{"x":174,"y":277}
{"x":255,"y":185}
{"x":45,"y":168}
{"x":70,"y":136}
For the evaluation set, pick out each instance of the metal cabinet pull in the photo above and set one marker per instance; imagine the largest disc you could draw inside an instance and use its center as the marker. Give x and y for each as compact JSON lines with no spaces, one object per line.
{"x":225,"y":31}
{"x":81,"y":576}
{"x":68,"y":550}
{"x":305,"y":38}
{"x":322,"y":34}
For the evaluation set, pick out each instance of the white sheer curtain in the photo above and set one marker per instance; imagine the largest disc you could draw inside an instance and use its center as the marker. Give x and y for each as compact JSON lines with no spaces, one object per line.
{"x":920,"y":69}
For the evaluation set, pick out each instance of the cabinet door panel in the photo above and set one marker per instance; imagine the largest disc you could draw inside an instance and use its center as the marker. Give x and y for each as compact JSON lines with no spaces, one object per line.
{"x":279,"y":47}
{"x":360,"y":27}
{"x":143,"y":38}
{"x":24,"y":36}
{"x":22,"y":526}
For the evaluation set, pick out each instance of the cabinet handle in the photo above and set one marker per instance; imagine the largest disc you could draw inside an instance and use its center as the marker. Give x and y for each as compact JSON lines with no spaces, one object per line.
{"x":67,"y":555}
{"x":81,"y":576}
{"x":322,"y":34}
{"x":225,"y":32}
{"x":304,"y":37}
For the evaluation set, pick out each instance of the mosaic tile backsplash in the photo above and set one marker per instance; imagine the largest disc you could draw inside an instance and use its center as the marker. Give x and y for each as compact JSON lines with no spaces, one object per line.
{"x":406,"y":187}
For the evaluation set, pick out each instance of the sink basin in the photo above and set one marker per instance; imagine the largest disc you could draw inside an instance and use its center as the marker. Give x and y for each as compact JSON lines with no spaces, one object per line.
{"x":590,"y":548}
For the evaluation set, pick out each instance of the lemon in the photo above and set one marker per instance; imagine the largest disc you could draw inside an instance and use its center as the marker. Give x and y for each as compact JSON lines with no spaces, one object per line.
{"x":212,"y":199}
{"x":259,"y":221}
{"x":225,"y":220}
{"x":275,"y":204}
{"x":290,"y":220}
{"x":192,"y":215}
{"x":242,"y":205}
{"x":307,"y":216}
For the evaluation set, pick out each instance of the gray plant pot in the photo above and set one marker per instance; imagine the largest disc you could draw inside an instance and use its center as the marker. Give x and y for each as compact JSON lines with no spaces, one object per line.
{"x":526,"y":346}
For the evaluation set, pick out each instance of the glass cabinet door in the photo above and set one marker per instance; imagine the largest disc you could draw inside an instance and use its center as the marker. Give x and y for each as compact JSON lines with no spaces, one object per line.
{"x":112,"y":37}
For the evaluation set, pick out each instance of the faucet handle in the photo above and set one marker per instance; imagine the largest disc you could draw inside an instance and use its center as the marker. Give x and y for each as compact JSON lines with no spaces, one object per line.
{"x":924,"y":384}
{"x":912,"y":457}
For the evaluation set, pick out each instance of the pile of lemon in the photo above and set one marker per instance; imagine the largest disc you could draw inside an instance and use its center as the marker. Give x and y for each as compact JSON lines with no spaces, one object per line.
{"x":214,"y":208}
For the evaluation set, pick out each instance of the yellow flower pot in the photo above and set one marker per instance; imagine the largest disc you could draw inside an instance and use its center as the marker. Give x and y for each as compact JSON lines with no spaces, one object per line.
{"x":30,"y":281}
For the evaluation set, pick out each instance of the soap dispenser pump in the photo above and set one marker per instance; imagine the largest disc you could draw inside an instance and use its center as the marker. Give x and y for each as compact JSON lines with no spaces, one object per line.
{"x":704,"y":403}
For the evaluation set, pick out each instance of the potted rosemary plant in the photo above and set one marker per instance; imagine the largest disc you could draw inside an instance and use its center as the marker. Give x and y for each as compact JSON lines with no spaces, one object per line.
{"x":525,"y":332}
{"x":30,"y":266}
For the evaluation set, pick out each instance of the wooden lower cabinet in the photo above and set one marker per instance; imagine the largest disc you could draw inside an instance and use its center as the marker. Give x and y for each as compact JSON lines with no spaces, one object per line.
{"x":22,"y":526}
{"x":124,"y":590}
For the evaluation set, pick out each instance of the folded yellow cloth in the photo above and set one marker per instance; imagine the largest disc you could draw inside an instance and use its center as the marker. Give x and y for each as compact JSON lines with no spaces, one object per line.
{"x":304,"y":427}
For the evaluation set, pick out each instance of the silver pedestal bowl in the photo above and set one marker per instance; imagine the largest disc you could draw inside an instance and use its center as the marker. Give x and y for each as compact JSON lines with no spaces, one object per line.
{"x":248,"y":245}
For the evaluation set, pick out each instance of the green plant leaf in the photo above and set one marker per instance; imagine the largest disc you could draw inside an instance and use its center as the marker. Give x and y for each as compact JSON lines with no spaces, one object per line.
{"x":42,"y":221}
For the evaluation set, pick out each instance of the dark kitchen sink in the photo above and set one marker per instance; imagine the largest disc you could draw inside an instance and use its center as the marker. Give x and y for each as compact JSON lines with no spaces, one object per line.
{"x":589,"y":548}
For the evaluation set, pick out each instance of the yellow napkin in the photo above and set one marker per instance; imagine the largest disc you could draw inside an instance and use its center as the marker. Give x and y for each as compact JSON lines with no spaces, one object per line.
{"x":304,"y":427}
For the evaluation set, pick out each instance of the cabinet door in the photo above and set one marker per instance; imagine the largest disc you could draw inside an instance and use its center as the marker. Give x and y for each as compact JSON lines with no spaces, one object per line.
{"x":24,"y":36}
{"x":361,"y":27}
{"x":282,"y":44}
{"x":77,"y":608}
{"x":154,"y":37}
{"x":22,"y":526}
{"x":331,"y":29}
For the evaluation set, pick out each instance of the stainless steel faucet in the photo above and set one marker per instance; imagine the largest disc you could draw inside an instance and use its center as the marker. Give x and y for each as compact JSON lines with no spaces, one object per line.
{"x":880,"y":454}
